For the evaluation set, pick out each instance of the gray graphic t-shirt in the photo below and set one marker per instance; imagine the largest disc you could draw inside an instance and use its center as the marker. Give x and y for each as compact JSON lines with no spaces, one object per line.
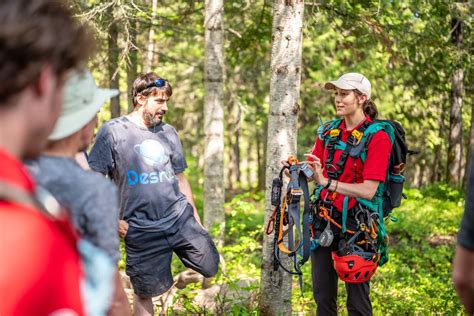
{"x":144,"y":163}
{"x":91,"y":200}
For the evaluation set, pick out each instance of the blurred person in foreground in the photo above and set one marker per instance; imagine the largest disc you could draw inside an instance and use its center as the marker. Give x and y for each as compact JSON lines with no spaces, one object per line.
{"x":463,"y":265}
{"x":40,"y":270}
{"x":91,"y":200}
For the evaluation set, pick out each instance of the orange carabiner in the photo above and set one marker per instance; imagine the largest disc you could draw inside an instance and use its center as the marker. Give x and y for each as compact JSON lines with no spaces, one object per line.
{"x":325,"y":214}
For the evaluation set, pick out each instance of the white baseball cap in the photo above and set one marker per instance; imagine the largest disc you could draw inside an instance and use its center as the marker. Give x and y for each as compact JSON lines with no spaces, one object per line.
{"x":82,"y":99}
{"x":351,"y":81}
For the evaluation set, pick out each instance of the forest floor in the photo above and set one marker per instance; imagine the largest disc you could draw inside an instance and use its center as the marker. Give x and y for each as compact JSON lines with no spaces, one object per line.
{"x":416,"y":280}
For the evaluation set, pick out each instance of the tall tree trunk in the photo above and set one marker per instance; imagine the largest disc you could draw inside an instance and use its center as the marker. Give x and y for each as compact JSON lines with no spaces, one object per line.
{"x":233,"y":135}
{"x":151,"y":38}
{"x":230,"y":135}
{"x":113,"y":64}
{"x":287,"y":26}
{"x":435,"y":165}
{"x":260,"y":167}
{"x":132,"y":68}
{"x":262,"y":142}
{"x":438,"y":166}
{"x":422,"y":172}
{"x":470,"y":150}
{"x":248,"y":159}
{"x":455,"y":129}
{"x":214,"y":117}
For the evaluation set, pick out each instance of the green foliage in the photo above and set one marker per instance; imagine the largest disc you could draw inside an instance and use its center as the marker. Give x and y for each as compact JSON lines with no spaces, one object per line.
{"x":417,"y":279}
{"x":242,"y":258}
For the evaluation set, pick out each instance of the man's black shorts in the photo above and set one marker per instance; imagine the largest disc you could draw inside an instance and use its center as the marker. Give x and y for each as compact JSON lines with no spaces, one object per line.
{"x":149,"y":254}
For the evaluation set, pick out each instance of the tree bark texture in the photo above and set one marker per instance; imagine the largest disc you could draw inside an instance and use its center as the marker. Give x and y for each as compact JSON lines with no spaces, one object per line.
{"x":470,"y":150}
{"x":214,"y":117}
{"x":281,"y":137}
{"x":233,"y":136}
{"x":151,"y":38}
{"x":113,"y":64}
{"x":132,"y":68}
{"x":455,"y":147}
{"x":262,"y":140}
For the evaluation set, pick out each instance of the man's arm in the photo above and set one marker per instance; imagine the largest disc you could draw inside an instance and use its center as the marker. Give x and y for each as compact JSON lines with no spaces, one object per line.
{"x":185,"y":187}
{"x":463,"y":277}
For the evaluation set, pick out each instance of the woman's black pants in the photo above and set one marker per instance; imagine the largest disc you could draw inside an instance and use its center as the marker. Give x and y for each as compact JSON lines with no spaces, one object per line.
{"x":325,"y":287}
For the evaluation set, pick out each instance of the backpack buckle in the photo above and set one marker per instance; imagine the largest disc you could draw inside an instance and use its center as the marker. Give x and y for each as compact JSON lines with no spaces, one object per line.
{"x":357,"y":135}
{"x":334,"y":132}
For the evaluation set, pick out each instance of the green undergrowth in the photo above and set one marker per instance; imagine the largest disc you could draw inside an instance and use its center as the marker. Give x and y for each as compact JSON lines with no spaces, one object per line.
{"x":415,"y":281}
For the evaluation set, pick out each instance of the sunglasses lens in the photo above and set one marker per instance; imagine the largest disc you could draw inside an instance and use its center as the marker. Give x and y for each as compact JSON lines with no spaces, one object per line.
{"x":160,"y":83}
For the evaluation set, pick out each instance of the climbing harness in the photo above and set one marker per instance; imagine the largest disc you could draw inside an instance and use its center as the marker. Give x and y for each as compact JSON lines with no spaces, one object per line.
{"x":286,"y":220}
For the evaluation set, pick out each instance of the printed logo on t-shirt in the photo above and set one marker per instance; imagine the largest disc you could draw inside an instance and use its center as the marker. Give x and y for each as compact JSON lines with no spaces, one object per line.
{"x":153,"y":154}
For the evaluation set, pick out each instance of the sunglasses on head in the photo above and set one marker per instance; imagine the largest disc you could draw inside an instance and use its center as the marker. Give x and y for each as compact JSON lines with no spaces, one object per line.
{"x":159,"y":83}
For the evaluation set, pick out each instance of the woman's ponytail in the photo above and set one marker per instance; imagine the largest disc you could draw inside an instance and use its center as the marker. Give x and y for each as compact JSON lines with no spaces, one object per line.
{"x":370,"y":109}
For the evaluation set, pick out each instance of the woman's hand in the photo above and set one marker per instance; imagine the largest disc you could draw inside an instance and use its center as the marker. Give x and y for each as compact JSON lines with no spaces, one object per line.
{"x":314,"y":164}
{"x":287,"y":165}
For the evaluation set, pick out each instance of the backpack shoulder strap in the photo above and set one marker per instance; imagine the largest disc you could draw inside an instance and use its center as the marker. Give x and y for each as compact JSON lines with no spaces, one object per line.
{"x":43,"y":201}
{"x":378,"y":125}
{"x":13,"y":194}
{"x":372,"y":129}
{"x":326,"y":127}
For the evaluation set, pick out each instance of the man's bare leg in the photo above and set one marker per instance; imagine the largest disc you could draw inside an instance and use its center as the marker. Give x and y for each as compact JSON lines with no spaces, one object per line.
{"x":142,"y":306}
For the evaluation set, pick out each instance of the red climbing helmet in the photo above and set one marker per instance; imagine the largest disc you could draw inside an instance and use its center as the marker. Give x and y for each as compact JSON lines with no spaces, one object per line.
{"x":355,"y":268}
{"x":354,"y":264}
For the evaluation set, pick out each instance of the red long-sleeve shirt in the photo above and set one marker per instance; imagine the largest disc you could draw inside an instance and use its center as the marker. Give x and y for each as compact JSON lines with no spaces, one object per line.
{"x":374,"y":168}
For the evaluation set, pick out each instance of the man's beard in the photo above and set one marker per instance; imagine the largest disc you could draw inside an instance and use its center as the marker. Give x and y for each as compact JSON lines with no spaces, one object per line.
{"x":152,"y":119}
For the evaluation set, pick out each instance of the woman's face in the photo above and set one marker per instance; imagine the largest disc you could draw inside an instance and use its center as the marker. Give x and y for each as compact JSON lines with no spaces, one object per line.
{"x":348,"y":102}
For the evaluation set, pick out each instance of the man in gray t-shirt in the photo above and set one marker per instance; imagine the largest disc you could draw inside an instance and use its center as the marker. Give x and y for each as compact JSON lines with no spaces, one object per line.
{"x":147,"y":164}
{"x":144,"y":157}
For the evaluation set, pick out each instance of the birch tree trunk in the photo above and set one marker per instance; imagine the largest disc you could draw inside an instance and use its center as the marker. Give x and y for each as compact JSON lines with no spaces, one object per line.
{"x":113,"y":63}
{"x":262,"y":142}
{"x":455,"y":147}
{"x":214,"y":117}
{"x":282,"y":133}
{"x":151,"y":38}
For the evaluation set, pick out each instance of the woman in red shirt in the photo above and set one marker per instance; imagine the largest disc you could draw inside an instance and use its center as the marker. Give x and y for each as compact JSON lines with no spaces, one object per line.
{"x":342,"y":176}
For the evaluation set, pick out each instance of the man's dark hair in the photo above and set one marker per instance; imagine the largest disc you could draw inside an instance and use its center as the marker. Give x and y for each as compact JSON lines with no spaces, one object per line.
{"x":142,"y":83}
{"x":35,"y":33}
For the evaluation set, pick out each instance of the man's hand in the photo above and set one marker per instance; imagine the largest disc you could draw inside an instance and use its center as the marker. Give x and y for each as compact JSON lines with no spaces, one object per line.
{"x":123,"y":228}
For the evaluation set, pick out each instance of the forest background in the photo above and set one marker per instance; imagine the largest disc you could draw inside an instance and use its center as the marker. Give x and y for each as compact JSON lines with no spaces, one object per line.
{"x":418,"y":56}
